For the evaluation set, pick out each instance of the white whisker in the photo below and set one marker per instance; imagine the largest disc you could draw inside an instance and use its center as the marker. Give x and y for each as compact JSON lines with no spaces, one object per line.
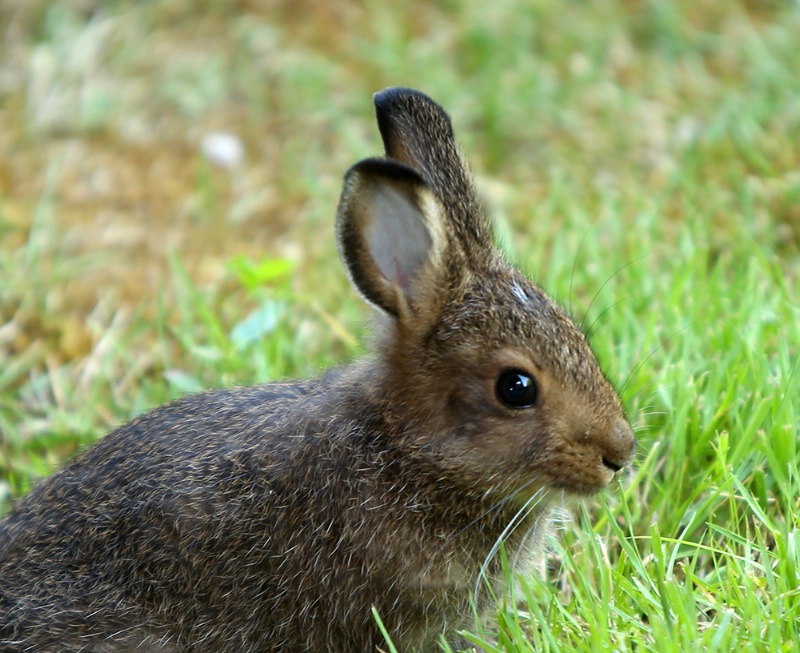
{"x":522,"y":514}
{"x":493,"y":508}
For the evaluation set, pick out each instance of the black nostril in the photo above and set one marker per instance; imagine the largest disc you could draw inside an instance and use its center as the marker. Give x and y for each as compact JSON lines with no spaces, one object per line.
{"x":614,"y":467}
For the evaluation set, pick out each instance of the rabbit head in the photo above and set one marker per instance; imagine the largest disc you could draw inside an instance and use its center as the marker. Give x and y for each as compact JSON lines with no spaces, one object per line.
{"x":490,"y":383}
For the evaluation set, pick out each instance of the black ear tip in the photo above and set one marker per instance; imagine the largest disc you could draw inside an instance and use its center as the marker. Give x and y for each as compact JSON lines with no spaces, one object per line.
{"x":396,"y":96}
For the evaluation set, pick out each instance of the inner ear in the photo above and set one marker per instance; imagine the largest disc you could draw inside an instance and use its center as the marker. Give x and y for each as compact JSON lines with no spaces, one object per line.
{"x":390,"y":235}
{"x":398,"y":240}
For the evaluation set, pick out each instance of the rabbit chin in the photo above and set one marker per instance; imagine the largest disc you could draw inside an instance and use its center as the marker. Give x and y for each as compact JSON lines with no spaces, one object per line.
{"x":552,"y":501}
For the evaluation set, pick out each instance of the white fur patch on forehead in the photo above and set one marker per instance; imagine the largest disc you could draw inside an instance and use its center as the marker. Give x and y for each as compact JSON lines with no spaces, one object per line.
{"x":519,"y":292}
{"x":397,"y":236}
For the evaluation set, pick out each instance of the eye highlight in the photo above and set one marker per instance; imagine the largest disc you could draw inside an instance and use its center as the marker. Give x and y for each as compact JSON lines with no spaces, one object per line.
{"x":516,"y":389}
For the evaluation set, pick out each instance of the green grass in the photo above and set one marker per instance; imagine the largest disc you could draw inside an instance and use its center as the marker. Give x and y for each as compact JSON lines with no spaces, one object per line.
{"x":642,"y":160}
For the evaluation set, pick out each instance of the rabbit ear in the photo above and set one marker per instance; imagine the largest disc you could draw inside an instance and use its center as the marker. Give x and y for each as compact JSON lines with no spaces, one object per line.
{"x":390,"y":234}
{"x":418,"y":133}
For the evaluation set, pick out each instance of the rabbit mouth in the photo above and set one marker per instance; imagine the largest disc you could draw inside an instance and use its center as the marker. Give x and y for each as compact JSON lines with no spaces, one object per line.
{"x":585,"y":485}
{"x":569,"y":471}
{"x":576,"y":474}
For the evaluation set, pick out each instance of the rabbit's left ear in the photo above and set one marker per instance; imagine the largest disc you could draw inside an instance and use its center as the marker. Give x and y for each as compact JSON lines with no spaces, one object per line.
{"x":391,"y":236}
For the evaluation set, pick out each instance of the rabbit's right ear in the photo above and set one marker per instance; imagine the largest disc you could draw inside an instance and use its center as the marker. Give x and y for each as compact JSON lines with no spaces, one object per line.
{"x":391,"y":236}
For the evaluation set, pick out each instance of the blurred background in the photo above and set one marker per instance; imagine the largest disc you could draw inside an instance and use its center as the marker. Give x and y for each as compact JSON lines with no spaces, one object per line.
{"x":169,"y":172}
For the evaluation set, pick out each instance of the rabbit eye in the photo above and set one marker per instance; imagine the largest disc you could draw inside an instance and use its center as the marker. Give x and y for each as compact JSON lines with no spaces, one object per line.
{"x":516,"y":389}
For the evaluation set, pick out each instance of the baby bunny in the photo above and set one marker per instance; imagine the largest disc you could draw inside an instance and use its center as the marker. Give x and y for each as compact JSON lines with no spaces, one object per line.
{"x":273,"y":518}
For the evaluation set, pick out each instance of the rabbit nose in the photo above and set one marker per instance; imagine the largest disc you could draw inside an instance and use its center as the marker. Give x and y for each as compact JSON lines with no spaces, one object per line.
{"x":620,"y":447}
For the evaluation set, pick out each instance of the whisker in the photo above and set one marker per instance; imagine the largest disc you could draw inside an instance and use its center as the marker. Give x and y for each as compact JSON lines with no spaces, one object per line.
{"x":529,"y":506}
{"x":650,"y":413}
{"x":577,"y":257}
{"x":647,"y":428}
{"x":653,"y":351}
{"x":590,"y":330}
{"x":658,"y":388}
{"x":493,"y":508}
{"x":534,"y":529}
{"x":608,"y":280}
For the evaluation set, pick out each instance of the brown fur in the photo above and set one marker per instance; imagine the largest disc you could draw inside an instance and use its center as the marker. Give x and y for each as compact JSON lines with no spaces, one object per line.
{"x":273,"y":518}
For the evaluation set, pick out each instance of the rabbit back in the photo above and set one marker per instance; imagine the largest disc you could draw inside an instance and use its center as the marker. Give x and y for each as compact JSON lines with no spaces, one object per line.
{"x":237,"y":520}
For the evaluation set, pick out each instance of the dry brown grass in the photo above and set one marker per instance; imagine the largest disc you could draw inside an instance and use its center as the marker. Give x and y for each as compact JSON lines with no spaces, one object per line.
{"x":125,"y":183}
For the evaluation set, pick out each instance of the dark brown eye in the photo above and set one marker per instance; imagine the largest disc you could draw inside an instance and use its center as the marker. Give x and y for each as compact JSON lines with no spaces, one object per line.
{"x":516,"y":389}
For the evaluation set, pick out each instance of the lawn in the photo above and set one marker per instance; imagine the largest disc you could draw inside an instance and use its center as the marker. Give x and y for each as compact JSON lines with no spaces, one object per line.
{"x":642,"y":162}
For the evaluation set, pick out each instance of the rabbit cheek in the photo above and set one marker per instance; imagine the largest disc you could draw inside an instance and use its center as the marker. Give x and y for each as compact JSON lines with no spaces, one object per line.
{"x":482,"y":453}
{"x":507,"y":455}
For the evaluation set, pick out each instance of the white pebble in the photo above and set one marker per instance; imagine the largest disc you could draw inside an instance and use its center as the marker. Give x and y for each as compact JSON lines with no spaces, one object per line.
{"x":222,"y":149}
